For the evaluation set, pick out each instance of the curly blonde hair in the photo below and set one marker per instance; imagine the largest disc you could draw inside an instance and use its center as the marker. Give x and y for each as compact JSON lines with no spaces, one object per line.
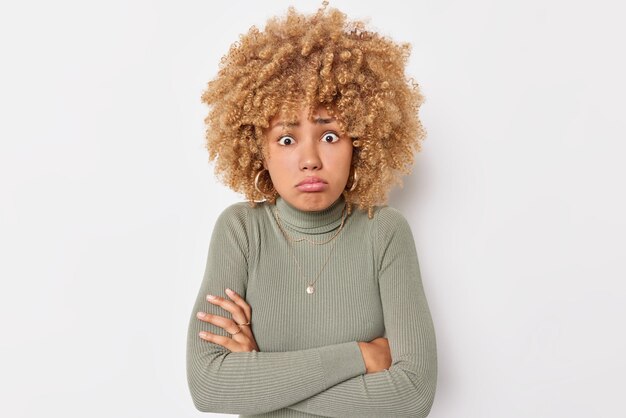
{"x":307,"y":61}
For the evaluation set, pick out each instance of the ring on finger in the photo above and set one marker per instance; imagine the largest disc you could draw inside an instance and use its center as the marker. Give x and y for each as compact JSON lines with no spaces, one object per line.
{"x":236,"y":332}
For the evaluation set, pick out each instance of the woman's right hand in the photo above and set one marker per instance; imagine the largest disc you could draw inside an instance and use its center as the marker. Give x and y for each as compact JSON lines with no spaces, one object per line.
{"x":376,"y":354}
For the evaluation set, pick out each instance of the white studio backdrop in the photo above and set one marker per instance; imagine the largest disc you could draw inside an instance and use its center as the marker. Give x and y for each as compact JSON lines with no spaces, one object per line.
{"x":108,"y":201}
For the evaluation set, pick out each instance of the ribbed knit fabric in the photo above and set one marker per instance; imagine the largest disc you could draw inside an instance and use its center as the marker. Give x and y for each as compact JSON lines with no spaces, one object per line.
{"x":309,"y":363}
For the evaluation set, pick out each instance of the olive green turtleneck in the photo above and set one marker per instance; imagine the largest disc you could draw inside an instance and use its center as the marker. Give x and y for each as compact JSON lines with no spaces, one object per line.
{"x":309,"y":363}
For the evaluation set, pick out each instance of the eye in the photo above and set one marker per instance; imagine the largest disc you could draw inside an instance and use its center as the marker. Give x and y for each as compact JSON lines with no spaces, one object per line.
{"x":287,"y":140}
{"x":330,"y":137}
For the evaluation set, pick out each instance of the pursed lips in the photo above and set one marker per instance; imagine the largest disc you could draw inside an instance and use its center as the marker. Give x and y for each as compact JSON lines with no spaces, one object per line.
{"x":311,"y":180}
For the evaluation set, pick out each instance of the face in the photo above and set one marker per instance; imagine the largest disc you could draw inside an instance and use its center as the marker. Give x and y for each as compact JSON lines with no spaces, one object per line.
{"x":309,"y":162}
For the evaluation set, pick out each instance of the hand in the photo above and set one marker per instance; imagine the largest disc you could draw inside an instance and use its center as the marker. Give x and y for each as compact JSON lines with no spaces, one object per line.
{"x":376,"y":354}
{"x":241,"y":314}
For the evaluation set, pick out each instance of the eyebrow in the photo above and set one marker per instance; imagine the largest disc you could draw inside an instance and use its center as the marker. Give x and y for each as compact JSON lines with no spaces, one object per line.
{"x":319,"y":121}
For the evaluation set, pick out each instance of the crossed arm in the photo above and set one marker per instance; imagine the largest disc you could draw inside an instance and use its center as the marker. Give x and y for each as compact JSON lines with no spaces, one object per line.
{"x":329,"y":380}
{"x":252,"y":382}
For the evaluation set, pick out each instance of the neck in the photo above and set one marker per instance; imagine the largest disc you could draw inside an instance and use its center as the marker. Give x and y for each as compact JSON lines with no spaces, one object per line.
{"x":314,"y":222}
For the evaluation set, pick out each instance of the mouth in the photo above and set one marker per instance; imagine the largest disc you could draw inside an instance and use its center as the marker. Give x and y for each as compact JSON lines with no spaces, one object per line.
{"x":312,"y":180}
{"x":312,"y":184}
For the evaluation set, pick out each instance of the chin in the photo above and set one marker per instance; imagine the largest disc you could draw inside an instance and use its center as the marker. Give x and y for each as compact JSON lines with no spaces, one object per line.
{"x":315,"y":201}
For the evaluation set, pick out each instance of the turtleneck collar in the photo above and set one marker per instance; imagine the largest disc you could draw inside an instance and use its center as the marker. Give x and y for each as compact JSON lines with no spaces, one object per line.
{"x":316,"y":222}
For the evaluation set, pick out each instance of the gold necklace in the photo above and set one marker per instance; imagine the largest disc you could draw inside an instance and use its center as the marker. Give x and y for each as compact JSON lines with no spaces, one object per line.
{"x":310,"y":288}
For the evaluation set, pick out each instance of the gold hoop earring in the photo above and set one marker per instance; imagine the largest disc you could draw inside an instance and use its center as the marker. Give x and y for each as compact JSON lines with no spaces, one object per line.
{"x":256,"y":182}
{"x":354,"y":181}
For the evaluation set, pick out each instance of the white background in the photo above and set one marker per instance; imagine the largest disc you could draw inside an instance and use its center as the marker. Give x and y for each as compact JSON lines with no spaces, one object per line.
{"x":516,"y":201}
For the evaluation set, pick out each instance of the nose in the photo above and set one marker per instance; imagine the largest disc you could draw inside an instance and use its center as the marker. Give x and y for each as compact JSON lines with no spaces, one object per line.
{"x":310,"y":158}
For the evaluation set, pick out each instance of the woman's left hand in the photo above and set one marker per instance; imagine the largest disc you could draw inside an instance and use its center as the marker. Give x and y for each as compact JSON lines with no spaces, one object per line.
{"x":241,"y":314}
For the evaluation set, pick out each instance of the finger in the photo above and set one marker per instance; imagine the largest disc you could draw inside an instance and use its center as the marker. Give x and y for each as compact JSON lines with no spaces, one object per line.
{"x":239,"y":334}
{"x":227,"y":304}
{"x":241,"y":302}
{"x":228,"y":343}
{"x":226,"y":324}
{"x":230,"y":306}
{"x":225,"y":342}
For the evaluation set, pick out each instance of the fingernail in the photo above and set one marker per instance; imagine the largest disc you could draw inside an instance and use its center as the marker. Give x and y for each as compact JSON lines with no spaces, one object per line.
{"x":201,"y":314}
{"x":229,"y":291}
{"x":211,"y":297}
{"x":202,"y":334}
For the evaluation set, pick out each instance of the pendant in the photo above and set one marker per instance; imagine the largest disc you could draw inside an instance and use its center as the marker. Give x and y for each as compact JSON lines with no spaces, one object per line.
{"x":310,"y":289}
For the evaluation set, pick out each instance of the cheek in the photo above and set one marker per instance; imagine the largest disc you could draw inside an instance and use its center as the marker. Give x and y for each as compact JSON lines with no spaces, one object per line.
{"x":282,"y":160}
{"x":340,"y":159}
{"x":281,"y":167}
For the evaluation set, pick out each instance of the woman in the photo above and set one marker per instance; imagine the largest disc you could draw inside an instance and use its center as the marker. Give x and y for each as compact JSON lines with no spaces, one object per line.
{"x":318,"y":309}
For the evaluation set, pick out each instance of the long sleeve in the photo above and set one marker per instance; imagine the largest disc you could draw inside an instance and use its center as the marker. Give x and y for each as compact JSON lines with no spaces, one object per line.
{"x":228,"y":382}
{"x":407,"y":388}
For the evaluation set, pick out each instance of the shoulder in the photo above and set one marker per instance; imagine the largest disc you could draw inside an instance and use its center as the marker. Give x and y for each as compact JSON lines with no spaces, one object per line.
{"x":234,"y":211}
{"x":385,"y":218}
{"x":390,"y":229}
{"x":389,"y":220}
{"x":386,"y":223}
{"x":388,"y":215}
{"x":234,"y":220}
{"x":242,"y":217}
